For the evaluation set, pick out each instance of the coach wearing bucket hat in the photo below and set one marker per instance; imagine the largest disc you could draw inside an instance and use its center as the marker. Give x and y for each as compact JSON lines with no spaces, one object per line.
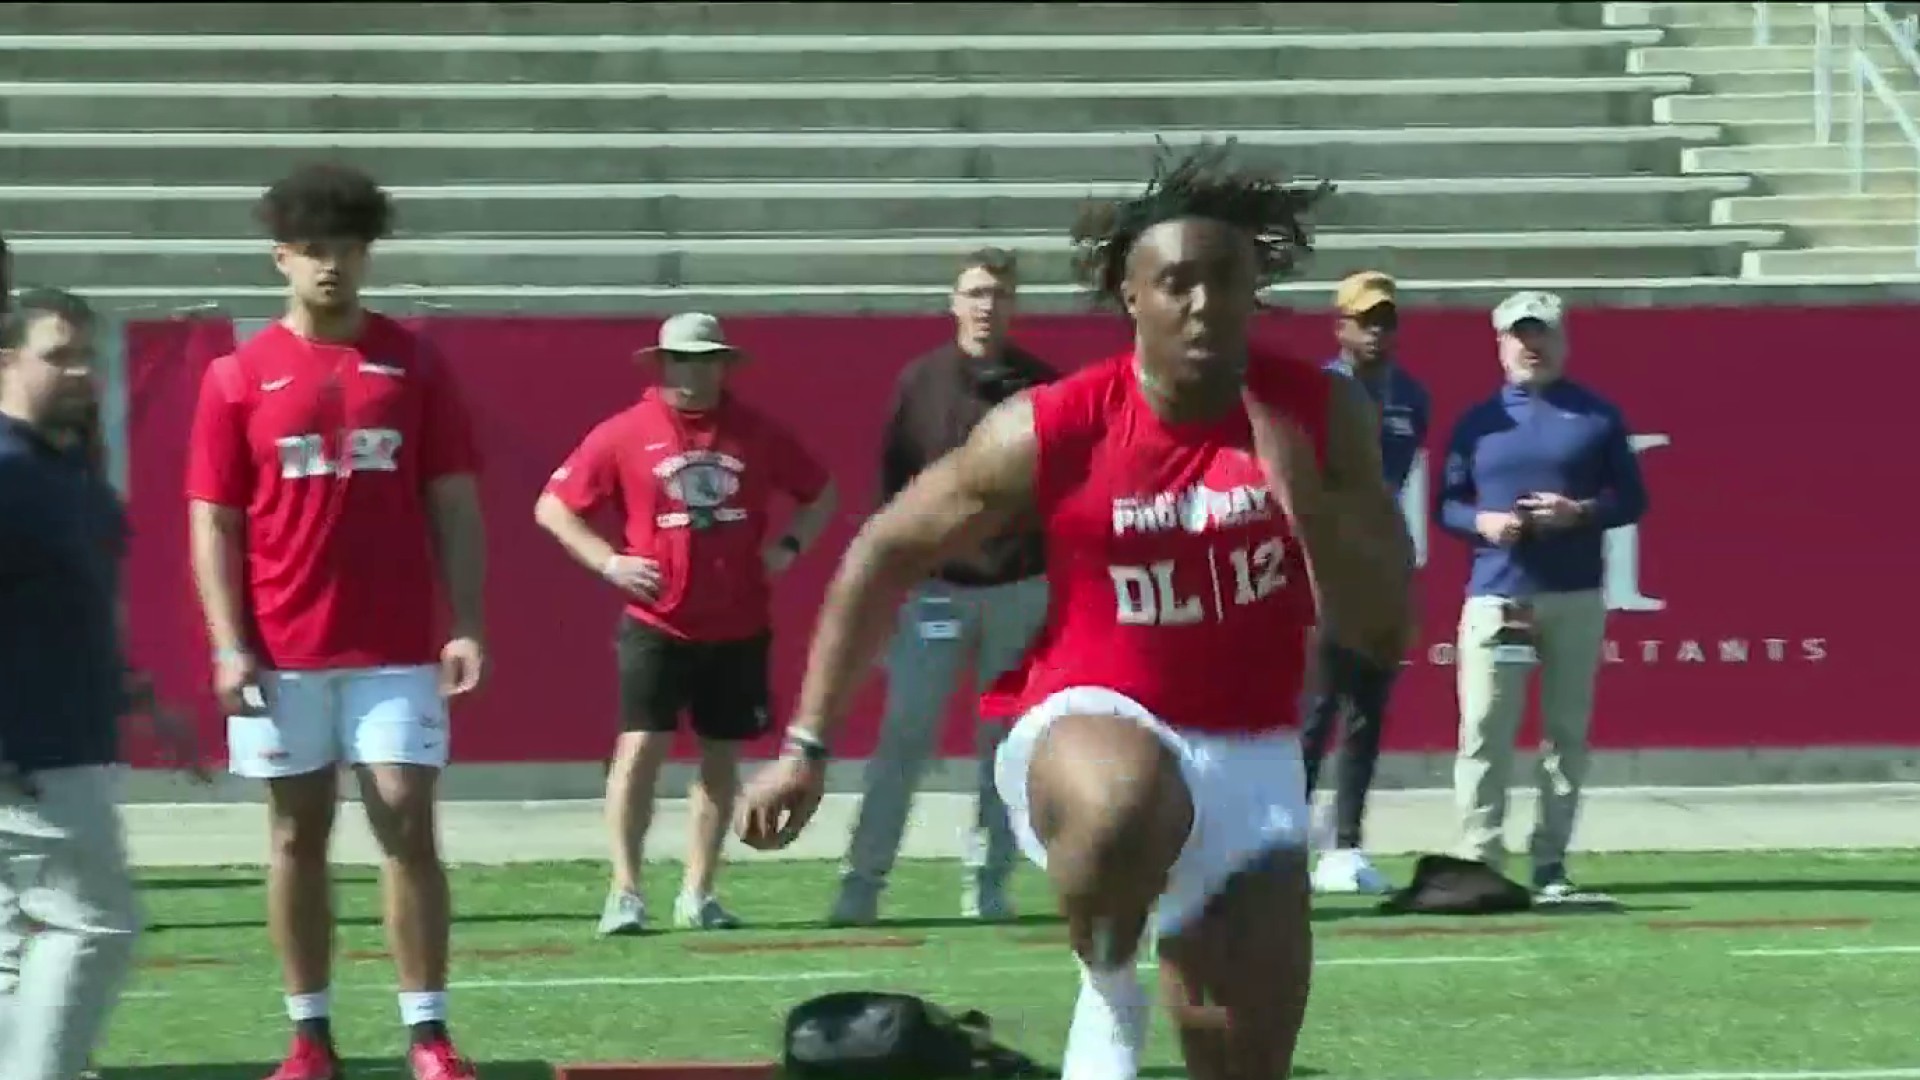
{"x":1534,"y":477}
{"x":697,"y":472}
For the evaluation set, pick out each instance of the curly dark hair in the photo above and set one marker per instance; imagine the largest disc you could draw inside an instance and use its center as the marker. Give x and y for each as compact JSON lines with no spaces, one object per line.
{"x":1201,"y":183}
{"x":325,"y":201}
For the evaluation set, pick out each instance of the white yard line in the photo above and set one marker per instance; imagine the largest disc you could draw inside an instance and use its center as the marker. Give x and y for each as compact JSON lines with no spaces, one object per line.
{"x":839,"y":974}
{"x":766,"y":978}
{"x":1912,"y":1073}
{"x":1832,"y":950}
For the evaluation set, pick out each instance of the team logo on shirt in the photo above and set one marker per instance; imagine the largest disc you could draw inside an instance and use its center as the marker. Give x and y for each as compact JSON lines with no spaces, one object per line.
{"x":704,"y":482}
{"x":367,"y":450}
{"x":1198,"y":509}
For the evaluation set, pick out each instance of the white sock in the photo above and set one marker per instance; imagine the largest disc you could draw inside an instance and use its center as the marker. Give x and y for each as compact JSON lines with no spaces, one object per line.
{"x":316,"y":1006}
{"x":418,"y":1007}
{"x":1109,"y":1025}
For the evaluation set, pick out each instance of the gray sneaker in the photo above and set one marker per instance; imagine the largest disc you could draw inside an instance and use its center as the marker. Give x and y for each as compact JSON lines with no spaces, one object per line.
{"x":985,"y":899}
{"x":857,"y":905}
{"x":624,"y":916}
{"x":702,"y":913}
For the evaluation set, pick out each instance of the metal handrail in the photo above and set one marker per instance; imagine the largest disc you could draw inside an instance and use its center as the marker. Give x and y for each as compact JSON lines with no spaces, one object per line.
{"x":1823,"y":73}
{"x":1868,"y":76}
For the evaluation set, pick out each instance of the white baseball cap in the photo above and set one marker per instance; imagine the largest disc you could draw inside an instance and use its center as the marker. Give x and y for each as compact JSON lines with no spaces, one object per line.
{"x":1541,"y":307}
{"x":691,"y":332}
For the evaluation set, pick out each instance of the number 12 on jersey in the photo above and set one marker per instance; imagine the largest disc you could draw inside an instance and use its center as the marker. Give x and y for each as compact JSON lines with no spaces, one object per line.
{"x":1151,"y":595}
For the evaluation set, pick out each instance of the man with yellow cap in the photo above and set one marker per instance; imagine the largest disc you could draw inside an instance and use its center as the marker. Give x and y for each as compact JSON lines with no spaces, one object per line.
{"x":1351,"y":687}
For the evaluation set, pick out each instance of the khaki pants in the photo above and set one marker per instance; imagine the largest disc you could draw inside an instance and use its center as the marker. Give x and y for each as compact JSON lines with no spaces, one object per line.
{"x":946,"y":633}
{"x":1570,"y":630}
{"x":66,"y":888}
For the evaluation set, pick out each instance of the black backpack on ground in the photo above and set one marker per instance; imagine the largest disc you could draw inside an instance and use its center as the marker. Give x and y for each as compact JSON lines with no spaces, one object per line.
{"x":862,"y":1035}
{"x":1444,"y":885}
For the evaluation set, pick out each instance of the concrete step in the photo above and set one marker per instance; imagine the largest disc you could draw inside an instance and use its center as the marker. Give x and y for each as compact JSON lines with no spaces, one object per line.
{"x":734,"y":209}
{"x":1896,"y":256}
{"x":473,"y":58}
{"x":1763,"y":70}
{"x":822,"y":106}
{"x":1832,"y":182}
{"x":1793,"y":209}
{"x":1723,"y":15}
{"x":440,"y":157}
{"x":605,"y":261}
{"x":1715,"y":37}
{"x":1311,"y":292}
{"x":1817,"y":233}
{"x":1798,"y":81}
{"x":1799,"y":132}
{"x":1790,"y":157}
{"x":772,"y":18}
{"x":1742,"y":108}
{"x":1697,"y":60}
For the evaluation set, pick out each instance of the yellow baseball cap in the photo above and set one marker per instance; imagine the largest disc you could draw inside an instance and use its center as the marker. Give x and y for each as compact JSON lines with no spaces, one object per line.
{"x":1364,"y":291}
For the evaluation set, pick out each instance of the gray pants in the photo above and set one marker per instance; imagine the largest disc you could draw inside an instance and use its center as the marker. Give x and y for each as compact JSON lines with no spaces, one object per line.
{"x":68,"y":921}
{"x":943,"y":628}
{"x":1571,"y":629}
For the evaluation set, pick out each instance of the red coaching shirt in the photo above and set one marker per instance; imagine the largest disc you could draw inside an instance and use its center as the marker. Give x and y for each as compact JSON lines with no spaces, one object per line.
{"x":1175,"y":577}
{"x":329,"y":449}
{"x":694,"y":489}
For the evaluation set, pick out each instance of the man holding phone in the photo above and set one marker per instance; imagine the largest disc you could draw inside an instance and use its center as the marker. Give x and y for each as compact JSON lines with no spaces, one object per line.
{"x":1535,"y":475}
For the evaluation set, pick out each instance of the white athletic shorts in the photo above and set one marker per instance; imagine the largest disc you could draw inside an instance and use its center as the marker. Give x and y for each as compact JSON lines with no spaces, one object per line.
{"x":360,"y":716}
{"x":1249,"y":795}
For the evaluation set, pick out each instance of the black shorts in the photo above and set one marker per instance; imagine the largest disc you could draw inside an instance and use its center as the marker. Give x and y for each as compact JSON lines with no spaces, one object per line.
{"x":720,"y":685}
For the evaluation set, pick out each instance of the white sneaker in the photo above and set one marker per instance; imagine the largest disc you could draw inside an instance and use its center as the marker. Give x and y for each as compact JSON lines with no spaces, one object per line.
{"x":1348,"y":870}
{"x":702,"y":913}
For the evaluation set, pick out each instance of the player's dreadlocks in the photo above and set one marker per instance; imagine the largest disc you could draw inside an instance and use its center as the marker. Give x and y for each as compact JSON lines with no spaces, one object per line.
{"x":1201,"y":184}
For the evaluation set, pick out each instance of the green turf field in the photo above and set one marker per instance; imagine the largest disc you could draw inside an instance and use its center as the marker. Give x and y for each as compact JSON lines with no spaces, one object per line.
{"x":1731,"y":964}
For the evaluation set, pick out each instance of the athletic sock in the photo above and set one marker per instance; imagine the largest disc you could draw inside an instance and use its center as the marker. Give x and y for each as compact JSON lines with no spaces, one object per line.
{"x":1109,"y":1025}
{"x":425,"y":1015}
{"x":309,"y":1013}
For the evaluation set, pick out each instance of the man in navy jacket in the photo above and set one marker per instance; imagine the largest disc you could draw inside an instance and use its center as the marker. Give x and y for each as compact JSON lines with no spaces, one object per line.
{"x":1535,"y":475}
{"x":1350,"y":686}
{"x":63,"y":688}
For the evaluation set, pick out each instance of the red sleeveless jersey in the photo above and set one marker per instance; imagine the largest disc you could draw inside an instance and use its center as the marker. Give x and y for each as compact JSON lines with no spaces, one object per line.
{"x":1174,"y":576}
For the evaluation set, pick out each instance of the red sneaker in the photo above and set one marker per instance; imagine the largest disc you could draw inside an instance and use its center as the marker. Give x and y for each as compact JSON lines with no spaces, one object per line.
{"x":439,"y":1061}
{"x":309,"y":1059}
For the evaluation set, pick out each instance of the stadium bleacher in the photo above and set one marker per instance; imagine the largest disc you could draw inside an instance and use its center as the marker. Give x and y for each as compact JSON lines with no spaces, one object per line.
{"x":772,"y":157}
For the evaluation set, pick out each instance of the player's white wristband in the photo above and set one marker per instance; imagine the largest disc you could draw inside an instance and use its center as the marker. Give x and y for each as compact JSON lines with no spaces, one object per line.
{"x":606,"y":570}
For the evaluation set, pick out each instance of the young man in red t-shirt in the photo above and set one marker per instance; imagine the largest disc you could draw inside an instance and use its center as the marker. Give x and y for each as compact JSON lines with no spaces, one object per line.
{"x":694,"y":470}
{"x":331,"y":481}
{"x":1204,"y":501}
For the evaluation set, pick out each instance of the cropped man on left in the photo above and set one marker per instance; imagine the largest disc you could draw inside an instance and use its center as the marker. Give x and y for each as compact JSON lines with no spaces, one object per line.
{"x":63,"y":688}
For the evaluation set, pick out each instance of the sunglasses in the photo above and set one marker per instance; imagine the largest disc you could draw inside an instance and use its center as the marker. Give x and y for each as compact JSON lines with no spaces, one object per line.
{"x":720,"y":357}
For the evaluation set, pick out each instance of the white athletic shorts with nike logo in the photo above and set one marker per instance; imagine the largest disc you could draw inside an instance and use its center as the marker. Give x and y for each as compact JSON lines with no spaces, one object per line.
{"x":357,"y":716}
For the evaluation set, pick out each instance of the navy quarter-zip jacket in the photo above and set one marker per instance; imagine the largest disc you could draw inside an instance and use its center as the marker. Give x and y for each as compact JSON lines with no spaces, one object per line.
{"x":1563,"y":439}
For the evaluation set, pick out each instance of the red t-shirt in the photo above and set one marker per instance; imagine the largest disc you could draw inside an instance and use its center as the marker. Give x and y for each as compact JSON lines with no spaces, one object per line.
{"x":694,"y":489}
{"x":1174,"y":576}
{"x":329,"y":449}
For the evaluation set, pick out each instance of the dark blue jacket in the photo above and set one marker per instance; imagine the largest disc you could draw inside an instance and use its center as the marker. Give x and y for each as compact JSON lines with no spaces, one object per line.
{"x":1563,"y":439}
{"x":62,"y":671}
{"x":1405,"y":411}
